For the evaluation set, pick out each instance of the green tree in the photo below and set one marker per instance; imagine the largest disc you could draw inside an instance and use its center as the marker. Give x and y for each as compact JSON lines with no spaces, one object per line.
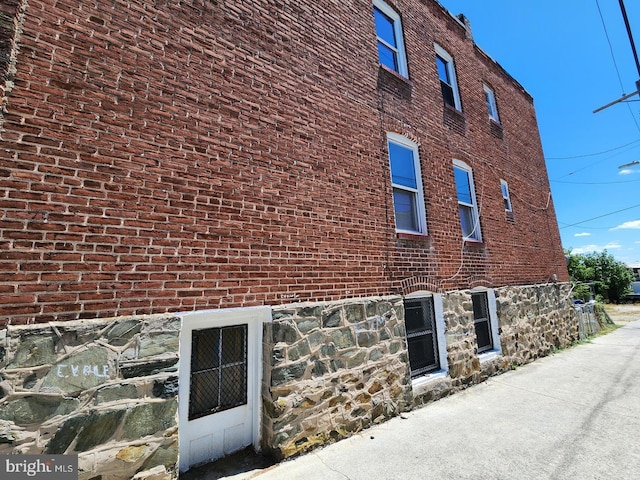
{"x":610,"y":278}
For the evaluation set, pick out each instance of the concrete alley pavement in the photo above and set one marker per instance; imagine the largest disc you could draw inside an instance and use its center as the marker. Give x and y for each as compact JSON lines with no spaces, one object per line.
{"x":572,"y":415}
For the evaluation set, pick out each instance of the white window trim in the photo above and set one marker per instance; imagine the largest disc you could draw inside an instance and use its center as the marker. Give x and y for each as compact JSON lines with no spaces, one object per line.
{"x":420,"y":384}
{"x":460,"y":164}
{"x":451,"y":70}
{"x":496,"y":351}
{"x":493,"y":106}
{"x":419,"y":191}
{"x":505,"y":186}
{"x":397,"y":30}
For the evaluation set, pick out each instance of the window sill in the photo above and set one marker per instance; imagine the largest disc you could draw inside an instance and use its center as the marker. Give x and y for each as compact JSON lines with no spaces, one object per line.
{"x":472,"y":241}
{"x":421,"y":384}
{"x":490,"y":355}
{"x":412,"y":236}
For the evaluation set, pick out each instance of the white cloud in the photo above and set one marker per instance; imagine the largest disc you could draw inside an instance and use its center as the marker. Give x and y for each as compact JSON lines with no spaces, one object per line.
{"x":632,"y":225}
{"x":595,"y":248}
{"x":583,"y":234}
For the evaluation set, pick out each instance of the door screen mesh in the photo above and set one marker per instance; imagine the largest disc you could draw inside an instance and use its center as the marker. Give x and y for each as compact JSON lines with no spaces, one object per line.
{"x":218,"y":370}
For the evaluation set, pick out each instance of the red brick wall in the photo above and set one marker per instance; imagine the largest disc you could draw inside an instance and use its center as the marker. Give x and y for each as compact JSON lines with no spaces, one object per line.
{"x":172,"y":156}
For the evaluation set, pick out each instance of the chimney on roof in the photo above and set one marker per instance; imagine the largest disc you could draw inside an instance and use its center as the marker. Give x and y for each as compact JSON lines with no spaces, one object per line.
{"x":467,"y":26}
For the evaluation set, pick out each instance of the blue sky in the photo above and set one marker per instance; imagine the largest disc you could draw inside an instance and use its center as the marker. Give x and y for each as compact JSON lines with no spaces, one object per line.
{"x":559,"y":52}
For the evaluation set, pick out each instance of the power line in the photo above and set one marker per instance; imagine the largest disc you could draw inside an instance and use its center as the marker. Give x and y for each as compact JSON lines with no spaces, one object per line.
{"x":610,"y":46}
{"x":593,"y":154}
{"x":600,"y":216}
{"x":595,"y":183}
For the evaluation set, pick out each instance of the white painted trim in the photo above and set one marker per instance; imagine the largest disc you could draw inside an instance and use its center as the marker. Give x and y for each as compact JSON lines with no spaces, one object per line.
{"x":254,"y":317}
{"x":420,"y":208}
{"x":496,"y":351}
{"x":397,"y":30}
{"x":476,"y":211}
{"x":493,"y":106}
{"x":451,"y":70}
{"x":419,"y":384}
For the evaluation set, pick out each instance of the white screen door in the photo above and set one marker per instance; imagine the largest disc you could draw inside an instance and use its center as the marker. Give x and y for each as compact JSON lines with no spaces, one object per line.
{"x":219,"y":388}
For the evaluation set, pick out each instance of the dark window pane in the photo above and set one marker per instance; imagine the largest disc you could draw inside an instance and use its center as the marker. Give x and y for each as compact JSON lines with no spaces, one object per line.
{"x":218,"y":370}
{"x":233,"y":384}
{"x":447,"y":94}
{"x":422,"y":339}
{"x":205,"y":389}
{"x":414,"y":318}
{"x":483,"y":336}
{"x":384,"y":28}
{"x":405,"y":210}
{"x":234,"y":344}
{"x":205,"y":349}
{"x":403,"y":167}
{"x":480,"y":305}
{"x":422,"y":355}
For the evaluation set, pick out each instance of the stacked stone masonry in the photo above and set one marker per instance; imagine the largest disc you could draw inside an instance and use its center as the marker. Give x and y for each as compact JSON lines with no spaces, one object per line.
{"x":105,"y":390}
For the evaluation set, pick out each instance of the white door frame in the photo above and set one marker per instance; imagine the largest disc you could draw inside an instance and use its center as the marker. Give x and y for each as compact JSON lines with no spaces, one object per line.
{"x":254,"y":318}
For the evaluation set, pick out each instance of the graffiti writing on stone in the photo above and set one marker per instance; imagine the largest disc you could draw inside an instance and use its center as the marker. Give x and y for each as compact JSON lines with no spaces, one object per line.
{"x":67,"y":371}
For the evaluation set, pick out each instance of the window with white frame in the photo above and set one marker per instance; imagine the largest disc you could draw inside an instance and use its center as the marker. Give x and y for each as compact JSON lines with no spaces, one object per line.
{"x":504,"y":186}
{"x":406,"y":181}
{"x":447,"y":75}
{"x":467,"y":205}
{"x":485,"y":322}
{"x":492,"y":108}
{"x":391,"y":51}
{"x":424,"y":324}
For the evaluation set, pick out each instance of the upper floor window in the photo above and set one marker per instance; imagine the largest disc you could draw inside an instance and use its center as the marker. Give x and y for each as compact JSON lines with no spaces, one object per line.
{"x":467,"y":205}
{"x":406,"y":181}
{"x":390,"y":43}
{"x":492,"y":108}
{"x":504,"y":186}
{"x":447,"y":75}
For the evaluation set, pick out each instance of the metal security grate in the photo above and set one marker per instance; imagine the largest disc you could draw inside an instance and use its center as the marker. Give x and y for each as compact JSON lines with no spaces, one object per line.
{"x":482,"y":322}
{"x":422,"y":339}
{"x":218,"y":370}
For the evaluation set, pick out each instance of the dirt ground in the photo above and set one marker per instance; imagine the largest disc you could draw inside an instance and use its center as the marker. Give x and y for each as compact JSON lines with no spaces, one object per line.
{"x":623,"y":313}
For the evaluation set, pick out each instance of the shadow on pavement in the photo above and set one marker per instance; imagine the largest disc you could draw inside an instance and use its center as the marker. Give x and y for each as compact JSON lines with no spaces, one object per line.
{"x":241,"y":465}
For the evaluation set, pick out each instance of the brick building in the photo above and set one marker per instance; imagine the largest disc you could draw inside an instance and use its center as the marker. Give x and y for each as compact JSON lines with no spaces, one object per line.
{"x":354,"y":196}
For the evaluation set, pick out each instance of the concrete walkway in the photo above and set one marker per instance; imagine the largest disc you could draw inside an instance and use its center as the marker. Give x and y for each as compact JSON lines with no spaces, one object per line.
{"x":572,"y":415}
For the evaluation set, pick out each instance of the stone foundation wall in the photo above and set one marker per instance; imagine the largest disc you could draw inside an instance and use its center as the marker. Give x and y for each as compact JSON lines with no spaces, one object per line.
{"x":332,"y":369}
{"x":533,"y":321}
{"x":105,"y":390}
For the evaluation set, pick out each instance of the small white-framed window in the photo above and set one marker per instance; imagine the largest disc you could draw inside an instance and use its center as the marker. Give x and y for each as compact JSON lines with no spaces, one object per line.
{"x":426,"y":341}
{"x":447,"y":76}
{"x":406,"y":181}
{"x":391,"y":51}
{"x":467,"y":204}
{"x":485,"y":321}
{"x":504,"y":187}
{"x":492,"y":107}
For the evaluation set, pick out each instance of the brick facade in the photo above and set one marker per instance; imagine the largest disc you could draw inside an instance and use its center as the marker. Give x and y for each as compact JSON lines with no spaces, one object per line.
{"x":180,"y":155}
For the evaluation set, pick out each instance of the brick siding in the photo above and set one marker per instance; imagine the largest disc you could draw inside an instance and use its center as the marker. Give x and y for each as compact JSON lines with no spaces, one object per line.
{"x":179,"y":155}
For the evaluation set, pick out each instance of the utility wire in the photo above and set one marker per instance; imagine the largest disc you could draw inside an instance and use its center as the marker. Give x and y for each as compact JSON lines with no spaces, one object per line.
{"x":610,"y":46}
{"x":595,"y":183}
{"x":600,"y":216}
{"x":594,"y":154}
